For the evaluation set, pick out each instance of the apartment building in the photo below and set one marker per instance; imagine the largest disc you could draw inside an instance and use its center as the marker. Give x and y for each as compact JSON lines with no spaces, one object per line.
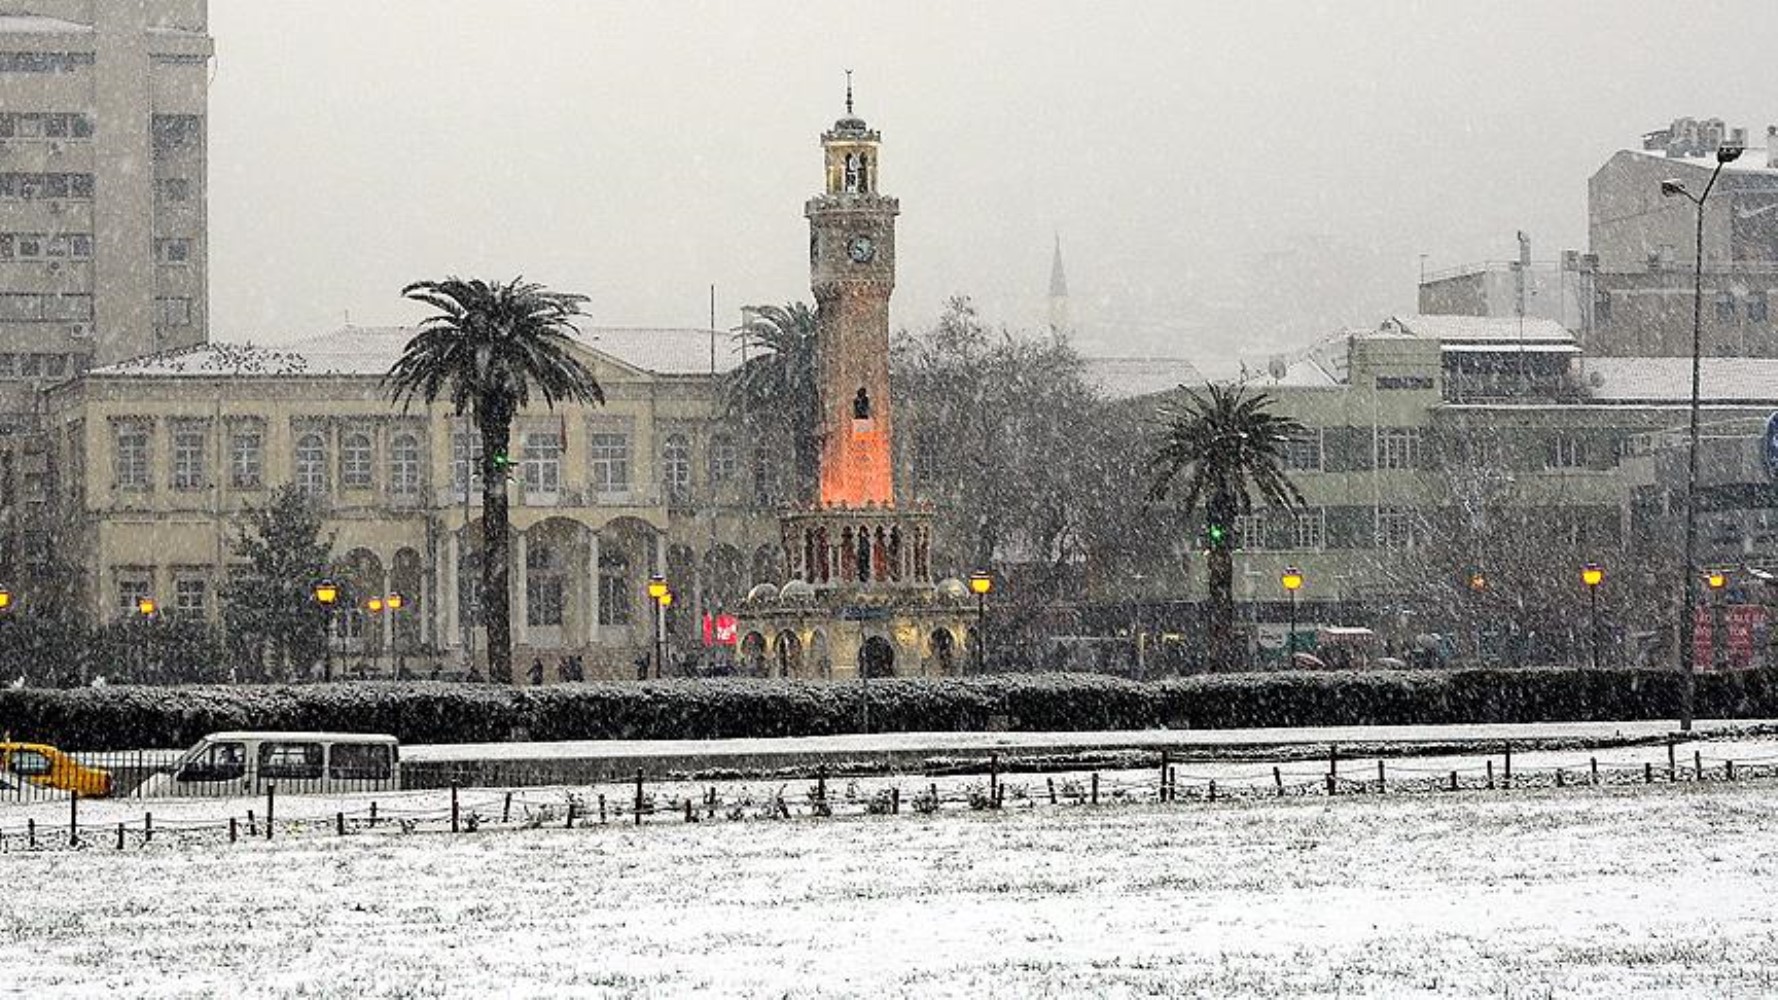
{"x":103,"y":118}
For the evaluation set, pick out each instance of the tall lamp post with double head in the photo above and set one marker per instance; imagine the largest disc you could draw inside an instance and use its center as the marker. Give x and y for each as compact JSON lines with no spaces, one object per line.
{"x":660,"y":595}
{"x":980,"y":583}
{"x":1725,"y":155}
{"x":327,"y":594}
{"x":1593,"y":574}
{"x":1293,"y":582}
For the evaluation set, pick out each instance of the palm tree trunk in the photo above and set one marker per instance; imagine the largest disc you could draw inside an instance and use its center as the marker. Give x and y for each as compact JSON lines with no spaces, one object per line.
{"x":496,"y":431}
{"x":1224,"y":652}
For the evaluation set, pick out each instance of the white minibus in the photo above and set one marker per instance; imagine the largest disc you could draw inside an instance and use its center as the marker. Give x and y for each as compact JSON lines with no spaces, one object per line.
{"x":244,"y":763}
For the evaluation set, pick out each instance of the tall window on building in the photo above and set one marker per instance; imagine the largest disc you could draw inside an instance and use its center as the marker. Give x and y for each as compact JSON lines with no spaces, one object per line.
{"x":404,"y":465}
{"x":1398,"y":528}
{"x":1725,"y":307}
{"x":1250,"y":531}
{"x":311,"y":462}
{"x":172,"y":310}
{"x":189,"y":445}
{"x":190,"y":595}
{"x":246,"y":458}
{"x":1398,"y":448}
{"x":610,"y":465}
{"x":1311,"y":529}
{"x":1565,"y":451}
{"x":614,"y":589}
{"x":466,"y":462}
{"x":724,"y":460}
{"x":355,"y":461}
{"x":129,"y":454}
{"x":1303,"y":453}
{"x":765,"y":477}
{"x":543,"y":585}
{"x":132,"y":587}
{"x":1757,"y":307}
{"x":676,"y":466}
{"x":543,"y":462}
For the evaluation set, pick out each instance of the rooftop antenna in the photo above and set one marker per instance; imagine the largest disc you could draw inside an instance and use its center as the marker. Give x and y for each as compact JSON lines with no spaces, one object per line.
{"x":848,"y":93}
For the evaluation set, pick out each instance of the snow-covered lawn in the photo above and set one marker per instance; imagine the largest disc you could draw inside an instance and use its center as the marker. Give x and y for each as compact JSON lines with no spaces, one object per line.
{"x":1657,"y":890}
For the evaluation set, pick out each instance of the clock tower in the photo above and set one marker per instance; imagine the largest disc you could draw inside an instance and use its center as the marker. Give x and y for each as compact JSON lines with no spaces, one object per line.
{"x":852,"y":272}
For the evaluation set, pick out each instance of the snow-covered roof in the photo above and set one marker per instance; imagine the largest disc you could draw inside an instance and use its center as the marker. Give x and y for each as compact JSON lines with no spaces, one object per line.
{"x":1750,"y":380}
{"x":362,"y":350}
{"x":1480,"y":329}
{"x":1753,"y":159}
{"x":39,"y":24}
{"x":1129,"y":378}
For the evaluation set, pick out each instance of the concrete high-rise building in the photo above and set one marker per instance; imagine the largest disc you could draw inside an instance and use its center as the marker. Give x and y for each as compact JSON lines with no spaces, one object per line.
{"x":103,"y":156}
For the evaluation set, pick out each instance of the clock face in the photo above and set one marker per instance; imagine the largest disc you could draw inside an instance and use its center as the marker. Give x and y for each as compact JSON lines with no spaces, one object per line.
{"x":861,"y":249}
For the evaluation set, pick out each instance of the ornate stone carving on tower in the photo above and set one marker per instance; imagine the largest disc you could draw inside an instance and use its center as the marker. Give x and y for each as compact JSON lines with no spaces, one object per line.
{"x":859,"y":594}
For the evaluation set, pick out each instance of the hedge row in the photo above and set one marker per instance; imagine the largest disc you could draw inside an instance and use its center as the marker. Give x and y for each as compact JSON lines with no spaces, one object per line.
{"x":118,"y":717}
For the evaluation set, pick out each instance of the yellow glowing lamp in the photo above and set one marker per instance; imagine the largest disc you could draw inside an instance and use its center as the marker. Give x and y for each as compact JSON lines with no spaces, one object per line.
{"x":657,"y":587}
{"x":374,"y":605}
{"x":980,"y":582}
{"x":1478,"y":582}
{"x":145,"y":606}
{"x":1292,"y":579}
{"x":1716,"y":579}
{"x":5,"y":599}
{"x":666,"y":599}
{"x":394,"y":602}
{"x":327,"y":592}
{"x":1592,"y":574}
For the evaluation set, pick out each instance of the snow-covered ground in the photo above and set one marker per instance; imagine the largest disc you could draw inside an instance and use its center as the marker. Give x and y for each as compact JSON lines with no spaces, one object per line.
{"x":1594,"y":892}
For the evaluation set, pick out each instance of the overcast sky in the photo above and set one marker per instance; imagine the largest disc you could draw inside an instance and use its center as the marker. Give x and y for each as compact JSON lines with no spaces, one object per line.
{"x":1225,"y":178}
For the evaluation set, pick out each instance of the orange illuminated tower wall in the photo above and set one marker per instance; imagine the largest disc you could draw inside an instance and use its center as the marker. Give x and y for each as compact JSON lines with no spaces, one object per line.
{"x":857,"y":449}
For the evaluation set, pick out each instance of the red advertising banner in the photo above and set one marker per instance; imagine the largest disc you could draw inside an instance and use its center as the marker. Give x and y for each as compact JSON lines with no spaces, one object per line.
{"x":720,"y":630}
{"x":1743,"y":631}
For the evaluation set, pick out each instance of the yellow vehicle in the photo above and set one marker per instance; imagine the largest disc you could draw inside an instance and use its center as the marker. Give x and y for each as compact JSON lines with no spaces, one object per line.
{"x":43,"y":766}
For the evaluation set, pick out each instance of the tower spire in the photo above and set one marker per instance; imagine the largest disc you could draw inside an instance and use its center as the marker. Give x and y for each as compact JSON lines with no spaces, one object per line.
{"x":848,"y":93}
{"x":1059,"y":320}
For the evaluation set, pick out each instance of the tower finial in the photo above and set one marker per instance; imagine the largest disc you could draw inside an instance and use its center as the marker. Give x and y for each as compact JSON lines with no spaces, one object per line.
{"x":848,"y":93}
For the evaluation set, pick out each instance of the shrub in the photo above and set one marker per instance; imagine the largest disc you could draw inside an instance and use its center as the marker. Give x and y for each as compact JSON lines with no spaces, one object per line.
{"x":124,"y":717}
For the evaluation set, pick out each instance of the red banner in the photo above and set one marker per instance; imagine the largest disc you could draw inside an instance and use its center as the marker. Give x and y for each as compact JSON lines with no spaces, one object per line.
{"x":1743,"y":627}
{"x":720,"y":630}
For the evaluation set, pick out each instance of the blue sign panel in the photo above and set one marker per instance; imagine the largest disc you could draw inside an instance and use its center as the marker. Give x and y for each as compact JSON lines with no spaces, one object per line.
{"x":1772,"y":446}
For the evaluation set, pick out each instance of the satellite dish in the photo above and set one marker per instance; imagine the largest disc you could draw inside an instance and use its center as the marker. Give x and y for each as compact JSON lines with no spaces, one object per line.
{"x":1276,"y":367}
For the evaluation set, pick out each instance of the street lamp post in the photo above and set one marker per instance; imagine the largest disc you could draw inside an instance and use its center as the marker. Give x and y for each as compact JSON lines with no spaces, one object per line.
{"x":327,"y":594}
{"x":1592,"y":574}
{"x":392,"y":604}
{"x":1293,"y":582}
{"x":661,"y":595}
{"x":1716,"y":580}
{"x":1725,"y":154}
{"x":980,"y":583}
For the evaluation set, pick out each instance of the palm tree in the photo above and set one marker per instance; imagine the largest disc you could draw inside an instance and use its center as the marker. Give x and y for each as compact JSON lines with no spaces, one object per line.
{"x":776,"y":387}
{"x":486,"y":348}
{"x":1229,"y":447}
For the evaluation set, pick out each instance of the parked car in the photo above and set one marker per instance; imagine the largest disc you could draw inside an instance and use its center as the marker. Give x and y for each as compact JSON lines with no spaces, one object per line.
{"x":245,"y":763}
{"x":41,"y":766}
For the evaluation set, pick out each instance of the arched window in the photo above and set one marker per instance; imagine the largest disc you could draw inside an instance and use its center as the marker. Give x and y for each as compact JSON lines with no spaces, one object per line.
{"x":311,"y":463}
{"x":404,"y":465}
{"x":676,"y":466}
{"x":355,"y":459}
{"x":723,"y":459}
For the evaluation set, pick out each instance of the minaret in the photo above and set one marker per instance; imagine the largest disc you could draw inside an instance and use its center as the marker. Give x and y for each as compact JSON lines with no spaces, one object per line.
{"x":1059,"y":323}
{"x":852,"y":272}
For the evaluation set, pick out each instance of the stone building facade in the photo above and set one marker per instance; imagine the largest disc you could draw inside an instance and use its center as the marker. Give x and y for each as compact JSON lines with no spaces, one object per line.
{"x":155,"y":459}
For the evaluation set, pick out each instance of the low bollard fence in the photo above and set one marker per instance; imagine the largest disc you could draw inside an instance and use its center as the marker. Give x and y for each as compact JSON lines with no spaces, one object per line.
{"x":96,"y":824}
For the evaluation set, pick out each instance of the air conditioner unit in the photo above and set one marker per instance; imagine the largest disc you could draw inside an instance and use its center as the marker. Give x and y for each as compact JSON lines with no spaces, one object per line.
{"x":55,"y":149}
{"x":82,"y":330}
{"x":55,"y":267}
{"x":56,"y":208}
